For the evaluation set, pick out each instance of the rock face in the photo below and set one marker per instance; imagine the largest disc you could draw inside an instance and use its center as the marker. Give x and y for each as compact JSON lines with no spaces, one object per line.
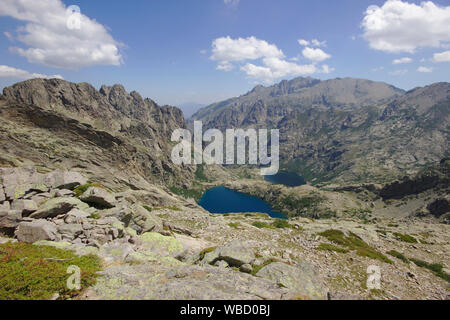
{"x":302,"y":279}
{"x":36,"y":230}
{"x":436,"y":176}
{"x":119,"y":138}
{"x":344,"y":131}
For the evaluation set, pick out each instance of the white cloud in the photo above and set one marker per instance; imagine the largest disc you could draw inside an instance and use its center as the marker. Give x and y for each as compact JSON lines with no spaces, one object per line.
{"x":303,"y":42}
{"x":49,"y":41}
{"x":315,"y":54}
{"x":10,"y":72}
{"x":400,"y":26}
{"x":399,"y":72}
{"x":317,"y":43}
{"x":402,"y":60}
{"x":227,"y":49}
{"x":203,"y":51}
{"x":424,"y":69}
{"x":313,"y":43}
{"x":274,"y":65}
{"x":442,"y":57}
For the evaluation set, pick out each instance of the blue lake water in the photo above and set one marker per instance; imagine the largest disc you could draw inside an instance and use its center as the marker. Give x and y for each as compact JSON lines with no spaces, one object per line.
{"x":289,"y":179}
{"x":223,"y":200}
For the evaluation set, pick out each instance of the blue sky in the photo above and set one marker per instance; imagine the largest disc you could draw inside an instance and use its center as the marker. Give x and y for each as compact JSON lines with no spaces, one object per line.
{"x":207,"y":50}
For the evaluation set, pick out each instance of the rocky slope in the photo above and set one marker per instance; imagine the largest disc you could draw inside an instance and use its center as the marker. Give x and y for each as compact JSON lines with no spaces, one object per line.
{"x":344,"y":131}
{"x":179,"y":251}
{"x":115,"y":137}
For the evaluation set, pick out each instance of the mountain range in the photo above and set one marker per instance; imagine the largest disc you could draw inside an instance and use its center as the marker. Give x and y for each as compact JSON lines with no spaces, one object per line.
{"x":343,"y":131}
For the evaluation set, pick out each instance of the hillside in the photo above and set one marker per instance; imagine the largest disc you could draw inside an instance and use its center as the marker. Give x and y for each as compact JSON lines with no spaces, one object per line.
{"x":115,"y":137}
{"x":344,"y":131}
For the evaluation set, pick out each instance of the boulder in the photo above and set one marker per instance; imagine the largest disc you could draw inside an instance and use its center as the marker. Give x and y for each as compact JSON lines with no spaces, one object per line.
{"x":57,"y":206}
{"x":2,"y":194}
{"x":64,"y":179}
{"x":9,"y":219}
{"x":17,"y":182}
{"x":64,"y":193}
{"x":5,"y":206}
{"x":161,"y":245}
{"x":26,"y":207}
{"x":70,"y":231}
{"x":247,"y":268}
{"x":236,"y":253}
{"x":139,"y":219}
{"x":302,"y":280}
{"x":36,"y":230}
{"x":76,"y":216}
{"x":99,"y":197}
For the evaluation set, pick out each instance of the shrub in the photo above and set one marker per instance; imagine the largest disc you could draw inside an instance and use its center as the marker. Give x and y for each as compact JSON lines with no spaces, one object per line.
{"x":330,"y":247}
{"x":354,"y":242}
{"x":281,"y":224}
{"x":405,"y":237}
{"x":398,"y":255}
{"x":29,"y":272}
{"x":147,"y":208}
{"x":262,"y":225}
{"x":436,"y":268}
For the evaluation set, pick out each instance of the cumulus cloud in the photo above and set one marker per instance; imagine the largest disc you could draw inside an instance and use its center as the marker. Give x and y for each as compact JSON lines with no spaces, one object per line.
{"x":442,"y":57}
{"x":272,"y":62}
{"x":49,"y":40}
{"x":10,"y":72}
{"x":402,"y":60}
{"x":400,"y":26}
{"x":313,"y":43}
{"x":315,"y":54}
{"x":425,"y":69}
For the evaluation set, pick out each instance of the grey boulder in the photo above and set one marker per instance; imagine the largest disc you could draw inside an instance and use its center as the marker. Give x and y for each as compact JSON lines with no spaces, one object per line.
{"x":26,"y":207}
{"x":36,"y":230}
{"x":64,"y":179}
{"x":99,"y":196}
{"x":57,"y":206}
{"x":302,"y":279}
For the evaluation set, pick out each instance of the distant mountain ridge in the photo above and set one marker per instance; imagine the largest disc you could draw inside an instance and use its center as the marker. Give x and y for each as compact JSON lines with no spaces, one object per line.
{"x":344,"y":130}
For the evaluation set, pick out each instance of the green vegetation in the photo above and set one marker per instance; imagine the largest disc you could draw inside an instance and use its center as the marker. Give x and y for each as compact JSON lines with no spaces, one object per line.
{"x":330,"y":247}
{"x":205,"y":251}
{"x":277,"y":224}
{"x":256,"y":268}
{"x":262,"y":225}
{"x":398,"y":255}
{"x":281,"y":224}
{"x":234,"y":225}
{"x":405,"y":237}
{"x":436,"y":268}
{"x":29,"y":272}
{"x":95,"y":216}
{"x":353,"y":242}
{"x":83,"y":188}
{"x":200,"y":174}
{"x":147,"y":208}
{"x":195,"y":194}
